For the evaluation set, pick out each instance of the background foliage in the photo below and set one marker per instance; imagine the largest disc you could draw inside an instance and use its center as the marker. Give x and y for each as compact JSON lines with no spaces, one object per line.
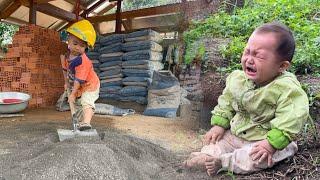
{"x":302,"y":17}
{"x":139,"y":4}
{"x":6,"y":33}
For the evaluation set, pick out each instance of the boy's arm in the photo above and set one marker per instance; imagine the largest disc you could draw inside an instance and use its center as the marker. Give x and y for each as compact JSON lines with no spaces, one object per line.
{"x":224,"y":112}
{"x":76,"y":86}
{"x":291,"y":113}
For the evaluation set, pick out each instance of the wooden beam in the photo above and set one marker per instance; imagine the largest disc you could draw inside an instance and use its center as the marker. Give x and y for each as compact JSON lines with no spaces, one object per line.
{"x":108,"y":8}
{"x":86,"y":12}
{"x":42,"y":1}
{"x":56,"y":12}
{"x":27,"y":2}
{"x":74,"y":2}
{"x":10,"y":9}
{"x":97,"y":28}
{"x":164,"y":20}
{"x":166,"y":9}
{"x":12,"y":20}
{"x":118,"y":17}
{"x":165,"y":23}
{"x":127,"y":24}
{"x":32,"y":12}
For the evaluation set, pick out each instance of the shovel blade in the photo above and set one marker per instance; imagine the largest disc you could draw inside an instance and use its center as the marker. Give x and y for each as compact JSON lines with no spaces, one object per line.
{"x":69,"y":134}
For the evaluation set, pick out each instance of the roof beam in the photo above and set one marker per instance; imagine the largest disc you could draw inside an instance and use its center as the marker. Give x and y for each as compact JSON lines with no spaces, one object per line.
{"x":56,"y":12}
{"x":12,"y":20}
{"x":118,"y":17}
{"x":163,"y":22}
{"x":27,"y":3}
{"x":32,"y":12}
{"x":73,"y":2}
{"x":42,"y":1}
{"x":166,"y":9}
{"x":10,"y":9}
{"x":108,"y":8}
{"x":92,"y":8}
{"x":127,"y":24}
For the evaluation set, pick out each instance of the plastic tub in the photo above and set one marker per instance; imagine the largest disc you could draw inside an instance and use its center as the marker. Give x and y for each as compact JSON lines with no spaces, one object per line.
{"x":13,"y":102}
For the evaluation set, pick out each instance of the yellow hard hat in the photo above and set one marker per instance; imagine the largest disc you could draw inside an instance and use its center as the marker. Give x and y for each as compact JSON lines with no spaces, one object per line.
{"x":83,"y":30}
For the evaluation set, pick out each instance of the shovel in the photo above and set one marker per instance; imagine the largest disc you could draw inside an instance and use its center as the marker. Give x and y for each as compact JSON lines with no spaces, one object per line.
{"x":69,"y":134}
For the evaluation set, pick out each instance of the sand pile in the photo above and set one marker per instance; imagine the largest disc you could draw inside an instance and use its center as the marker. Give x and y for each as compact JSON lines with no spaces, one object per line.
{"x":116,"y":156}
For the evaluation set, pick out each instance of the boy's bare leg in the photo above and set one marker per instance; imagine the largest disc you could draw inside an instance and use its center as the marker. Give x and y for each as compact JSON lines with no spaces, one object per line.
{"x":87,"y":115}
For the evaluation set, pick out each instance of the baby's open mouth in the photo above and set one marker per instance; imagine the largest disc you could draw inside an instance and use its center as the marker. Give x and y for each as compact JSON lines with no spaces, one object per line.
{"x":251,"y":70}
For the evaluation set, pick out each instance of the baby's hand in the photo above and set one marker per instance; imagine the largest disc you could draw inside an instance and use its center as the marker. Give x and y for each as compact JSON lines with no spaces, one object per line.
{"x":262,"y":150}
{"x":214,"y":135}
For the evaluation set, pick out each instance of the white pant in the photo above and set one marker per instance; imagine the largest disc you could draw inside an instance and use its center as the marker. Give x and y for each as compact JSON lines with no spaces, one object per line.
{"x":233,"y":152}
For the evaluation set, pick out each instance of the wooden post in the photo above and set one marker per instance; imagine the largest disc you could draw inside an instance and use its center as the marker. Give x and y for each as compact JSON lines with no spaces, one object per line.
{"x":118,"y":17}
{"x":32,"y":12}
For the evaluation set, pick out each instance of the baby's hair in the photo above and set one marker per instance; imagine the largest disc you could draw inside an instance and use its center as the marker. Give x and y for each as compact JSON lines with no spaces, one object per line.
{"x":286,"y":43}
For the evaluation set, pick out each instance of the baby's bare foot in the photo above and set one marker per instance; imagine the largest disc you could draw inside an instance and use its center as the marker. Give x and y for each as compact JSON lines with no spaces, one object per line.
{"x":212,"y":165}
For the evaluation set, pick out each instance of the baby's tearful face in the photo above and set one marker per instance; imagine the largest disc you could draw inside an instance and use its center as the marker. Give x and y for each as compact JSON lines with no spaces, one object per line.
{"x":260,"y":61}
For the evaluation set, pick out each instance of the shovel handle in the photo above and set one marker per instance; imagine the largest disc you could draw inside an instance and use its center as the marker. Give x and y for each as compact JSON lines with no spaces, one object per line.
{"x":73,"y":116}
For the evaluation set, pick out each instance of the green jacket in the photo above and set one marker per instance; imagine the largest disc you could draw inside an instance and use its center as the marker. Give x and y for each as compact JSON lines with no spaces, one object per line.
{"x":276,"y":111}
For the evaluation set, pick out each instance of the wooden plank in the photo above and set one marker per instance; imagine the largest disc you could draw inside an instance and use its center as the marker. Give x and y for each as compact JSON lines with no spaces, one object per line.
{"x":15,"y":21}
{"x":127,"y":24}
{"x":92,"y":8}
{"x":42,"y":1}
{"x":73,"y":2}
{"x":108,"y":8}
{"x":56,"y":12}
{"x":118,"y":17}
{"x":165,"y":9}
{"x":27,"y":3}
{"x":166,"y":23}
{"x":10,"y":115}
{"x":10,"y":9}
{"x":32,"y":12}
{"x":166,"y":20}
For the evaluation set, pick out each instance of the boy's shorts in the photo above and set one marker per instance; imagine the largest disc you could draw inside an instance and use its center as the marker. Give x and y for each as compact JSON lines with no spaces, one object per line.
{"x":88,"y":98}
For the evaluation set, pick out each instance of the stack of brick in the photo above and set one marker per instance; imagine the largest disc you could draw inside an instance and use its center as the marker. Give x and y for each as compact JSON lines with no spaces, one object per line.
{"x":32,"y":65}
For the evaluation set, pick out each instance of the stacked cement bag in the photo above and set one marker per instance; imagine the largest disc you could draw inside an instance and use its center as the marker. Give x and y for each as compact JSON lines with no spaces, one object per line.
{"x":143,"y":56}
{"x":93,"y":55}
{"x":164,"y":95}
{"x":111,"y":66}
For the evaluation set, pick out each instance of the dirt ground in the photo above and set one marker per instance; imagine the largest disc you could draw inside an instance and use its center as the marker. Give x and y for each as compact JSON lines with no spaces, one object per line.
{"x":131,"y":147}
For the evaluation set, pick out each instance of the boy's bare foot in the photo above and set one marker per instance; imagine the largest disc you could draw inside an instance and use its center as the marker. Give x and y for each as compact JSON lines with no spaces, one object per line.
{"x":196,"y":162}
{"x":212,"y":165}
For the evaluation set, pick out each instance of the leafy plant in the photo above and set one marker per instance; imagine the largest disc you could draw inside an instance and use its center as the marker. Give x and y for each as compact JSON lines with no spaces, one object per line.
{"x":301,"y":16}
{"x":6,"y":33}
{"x":197,"y":51}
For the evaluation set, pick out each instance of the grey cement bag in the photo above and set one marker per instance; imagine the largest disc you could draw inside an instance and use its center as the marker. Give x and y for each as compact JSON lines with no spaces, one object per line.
{"x":106,"y":109}
{"x":144,"y":35}
{"x":141,"y":45}
{"x":142,"y":55}
{"x":163,"y":95}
